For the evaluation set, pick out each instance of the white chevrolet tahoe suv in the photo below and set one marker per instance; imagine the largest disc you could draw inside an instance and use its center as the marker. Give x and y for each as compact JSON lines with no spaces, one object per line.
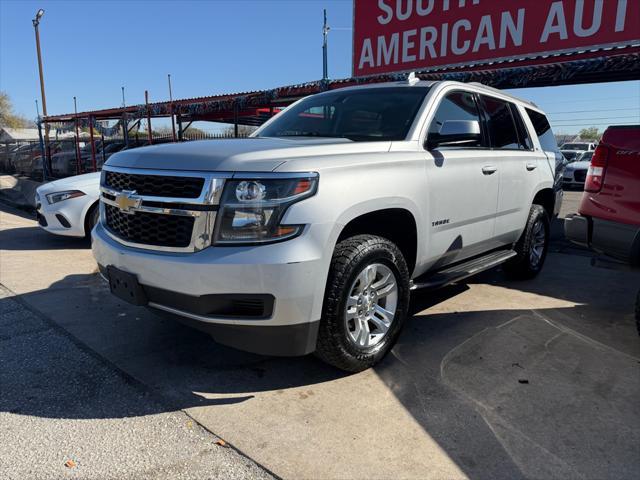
{"x":309,"y":236}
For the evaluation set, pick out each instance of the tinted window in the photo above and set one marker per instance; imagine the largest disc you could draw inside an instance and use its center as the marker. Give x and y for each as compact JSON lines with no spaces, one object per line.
{"x":371,"y":114}
{"x":456,"y":106}
{"x":523,"y":132}
{"x":502,"y":128}
{"x":543,"y":130}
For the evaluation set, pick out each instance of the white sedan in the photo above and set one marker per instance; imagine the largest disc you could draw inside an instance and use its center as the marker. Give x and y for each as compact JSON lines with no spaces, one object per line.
{"x":69,"y":206}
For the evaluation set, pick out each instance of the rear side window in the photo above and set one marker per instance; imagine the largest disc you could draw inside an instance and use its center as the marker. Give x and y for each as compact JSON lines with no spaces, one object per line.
{"x":523,"y":132}
{"x":543,"y":130}
{"x":502,"y":127}
{"x":456,"y":106}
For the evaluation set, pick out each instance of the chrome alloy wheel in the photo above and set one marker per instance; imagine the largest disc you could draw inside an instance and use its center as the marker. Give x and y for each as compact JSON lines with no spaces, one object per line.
{"x":538,"y":240}
{"x":371,"y":305}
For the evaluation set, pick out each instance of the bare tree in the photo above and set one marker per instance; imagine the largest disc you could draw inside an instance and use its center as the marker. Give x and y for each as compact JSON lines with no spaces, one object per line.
{"x":8,"y":118}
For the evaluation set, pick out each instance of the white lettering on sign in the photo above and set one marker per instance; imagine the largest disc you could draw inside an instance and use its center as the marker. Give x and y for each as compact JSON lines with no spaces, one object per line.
{"x":621,"y":15}
{"x":455,"y":28}
{"x":485,"y":34}
{"x":388,"y":52}
{"x":555,"y":23}
{"x":595,"y":21}
{"x":428,"y":36}
{"x":408,"y":44}
{"x":422,"y":10}
{"x":515,"y":30}
{"x":471,"y":33}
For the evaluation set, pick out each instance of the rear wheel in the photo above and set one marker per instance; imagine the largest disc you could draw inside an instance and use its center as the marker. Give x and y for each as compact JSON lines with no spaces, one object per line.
{"x":366,"y":303}
{"x":532,"y":246}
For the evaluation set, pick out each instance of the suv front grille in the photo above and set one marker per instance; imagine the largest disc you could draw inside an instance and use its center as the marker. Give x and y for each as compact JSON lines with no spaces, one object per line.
{"x":155,"y":185}
{"x":150,"y":228}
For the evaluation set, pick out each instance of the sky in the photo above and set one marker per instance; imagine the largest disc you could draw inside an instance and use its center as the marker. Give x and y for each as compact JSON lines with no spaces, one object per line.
{"x":92,"y":48}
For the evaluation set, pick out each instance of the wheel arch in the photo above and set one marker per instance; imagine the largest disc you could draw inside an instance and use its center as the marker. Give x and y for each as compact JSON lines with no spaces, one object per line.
{"x":546,"y":198}
{"x":397,"y":224}
{"x":87,"y":214}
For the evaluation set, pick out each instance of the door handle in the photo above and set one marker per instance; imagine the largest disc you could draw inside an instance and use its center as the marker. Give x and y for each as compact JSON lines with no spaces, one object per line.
{"x":531,"y":166}
{"x":489,"y":169}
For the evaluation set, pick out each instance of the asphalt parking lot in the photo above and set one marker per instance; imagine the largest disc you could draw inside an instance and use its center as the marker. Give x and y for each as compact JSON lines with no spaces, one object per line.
{"x":490,"y":379}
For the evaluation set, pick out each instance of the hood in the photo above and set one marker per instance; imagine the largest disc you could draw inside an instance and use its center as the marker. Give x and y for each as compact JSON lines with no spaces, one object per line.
{"x":238,"y":155}
{"x":579,"y":165}
{"x":72,"y":183}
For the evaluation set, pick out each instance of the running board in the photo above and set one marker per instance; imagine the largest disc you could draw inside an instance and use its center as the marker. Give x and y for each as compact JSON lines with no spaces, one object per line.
{"x":459,"y":272}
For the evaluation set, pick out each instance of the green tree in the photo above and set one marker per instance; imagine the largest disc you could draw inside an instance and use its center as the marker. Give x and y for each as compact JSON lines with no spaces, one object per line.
{"x":590,"y":133}
{"x":7,"y":117}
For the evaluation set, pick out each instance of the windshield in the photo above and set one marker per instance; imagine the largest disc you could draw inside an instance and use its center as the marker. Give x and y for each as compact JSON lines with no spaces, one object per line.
{"x":575,"y":146}
{"x":363,"y":115}
{"x":586,"y":157}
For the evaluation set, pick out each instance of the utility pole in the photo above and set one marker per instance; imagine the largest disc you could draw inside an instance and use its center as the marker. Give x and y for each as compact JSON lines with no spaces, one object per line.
{"x":75,"y":110}
{"x":125,"y":123}
{"x":173,"y":120}
{"x":325,"y":34}
{"x":45,"y":156}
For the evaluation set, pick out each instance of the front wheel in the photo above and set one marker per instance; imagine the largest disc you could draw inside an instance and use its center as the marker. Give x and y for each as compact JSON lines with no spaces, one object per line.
{"x":532,"y":246}
{"x":92,"y":219}
{"x":366,"y":303}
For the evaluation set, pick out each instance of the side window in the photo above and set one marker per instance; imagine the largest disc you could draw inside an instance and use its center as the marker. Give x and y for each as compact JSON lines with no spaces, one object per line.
{"x":456,"y":106}
{"x":543,"y":130}
{"x":523,"y":132}
{"x":502,"y":128}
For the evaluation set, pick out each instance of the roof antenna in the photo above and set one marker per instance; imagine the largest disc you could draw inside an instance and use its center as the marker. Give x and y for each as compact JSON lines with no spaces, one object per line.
{"x":412,"y":79}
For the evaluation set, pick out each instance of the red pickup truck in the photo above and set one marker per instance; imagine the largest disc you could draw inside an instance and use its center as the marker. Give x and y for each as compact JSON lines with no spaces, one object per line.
{"x":609,"y":218}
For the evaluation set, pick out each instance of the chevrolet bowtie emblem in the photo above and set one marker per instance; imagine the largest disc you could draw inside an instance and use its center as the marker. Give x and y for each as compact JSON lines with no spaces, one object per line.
{"x":127,"y":201}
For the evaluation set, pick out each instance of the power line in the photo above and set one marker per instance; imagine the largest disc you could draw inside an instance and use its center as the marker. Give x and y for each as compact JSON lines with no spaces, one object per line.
{"x":597,"y":118}
{"x":600,"y":99}
{"x":590,"y":111}
{"x":596,"y":124}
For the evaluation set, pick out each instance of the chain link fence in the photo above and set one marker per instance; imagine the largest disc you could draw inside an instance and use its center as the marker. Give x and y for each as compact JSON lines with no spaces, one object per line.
{"x":69,"y":157}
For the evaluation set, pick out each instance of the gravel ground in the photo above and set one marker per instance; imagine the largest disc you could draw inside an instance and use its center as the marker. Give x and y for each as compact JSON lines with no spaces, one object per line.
{"x":65,"y":413}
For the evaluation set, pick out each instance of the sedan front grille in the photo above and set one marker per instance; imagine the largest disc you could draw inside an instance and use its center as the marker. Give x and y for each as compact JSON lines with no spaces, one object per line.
{"x":155,"y":185}
{"x":580,"y":175}
{"x":150,"y":228}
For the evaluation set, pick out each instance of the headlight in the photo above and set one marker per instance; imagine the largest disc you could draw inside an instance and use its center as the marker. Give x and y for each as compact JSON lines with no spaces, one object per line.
{"x":251,"y":209}
{"x":61,"y":196}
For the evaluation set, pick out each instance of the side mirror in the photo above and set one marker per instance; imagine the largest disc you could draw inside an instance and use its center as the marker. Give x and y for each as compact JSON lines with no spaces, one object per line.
{"x":458,"y":133}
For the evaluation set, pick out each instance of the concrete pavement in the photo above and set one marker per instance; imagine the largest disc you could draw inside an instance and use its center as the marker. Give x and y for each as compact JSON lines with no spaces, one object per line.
{"x":490,"y":379}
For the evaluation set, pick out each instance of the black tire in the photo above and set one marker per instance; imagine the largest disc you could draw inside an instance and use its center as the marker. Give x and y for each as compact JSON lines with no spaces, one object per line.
{"x":350,"y":258}
{"x":91,"y":220}
{"x":526,"y":265}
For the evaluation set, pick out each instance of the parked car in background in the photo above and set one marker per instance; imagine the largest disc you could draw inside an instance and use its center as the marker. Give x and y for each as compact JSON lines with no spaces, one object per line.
{"x":69,"y":206}
{"x":575,"y":173}
{"x":310,"y":236}
{"x":573,"y":151}
{"x":609,"y":217}
{"x":22,"y":159}
{"x":65,"y":163}
{"x":102,"y":154}
{"x":8,"y":156}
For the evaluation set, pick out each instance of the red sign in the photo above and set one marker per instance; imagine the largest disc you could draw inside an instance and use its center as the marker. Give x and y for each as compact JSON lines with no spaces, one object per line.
{"x":404,"y":35}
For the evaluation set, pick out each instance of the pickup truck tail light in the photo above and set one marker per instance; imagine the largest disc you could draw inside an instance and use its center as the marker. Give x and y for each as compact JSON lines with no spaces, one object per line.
{"x":597,"y":170}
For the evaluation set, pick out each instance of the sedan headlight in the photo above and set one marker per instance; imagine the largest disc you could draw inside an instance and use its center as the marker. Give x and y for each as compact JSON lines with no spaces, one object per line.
{"x":251,"y":209}
{"x":62,"y":196}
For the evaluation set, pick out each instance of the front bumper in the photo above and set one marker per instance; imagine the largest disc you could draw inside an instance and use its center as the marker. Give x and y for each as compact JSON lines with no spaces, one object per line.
{"x":293,"y":273}
{"x":618,"y":240}
{"x":63,"y":218}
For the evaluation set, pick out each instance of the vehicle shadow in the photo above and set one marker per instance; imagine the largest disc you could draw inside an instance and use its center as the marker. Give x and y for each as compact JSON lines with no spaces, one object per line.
{"x":34,"y":238}
{"x":506,"y":392}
